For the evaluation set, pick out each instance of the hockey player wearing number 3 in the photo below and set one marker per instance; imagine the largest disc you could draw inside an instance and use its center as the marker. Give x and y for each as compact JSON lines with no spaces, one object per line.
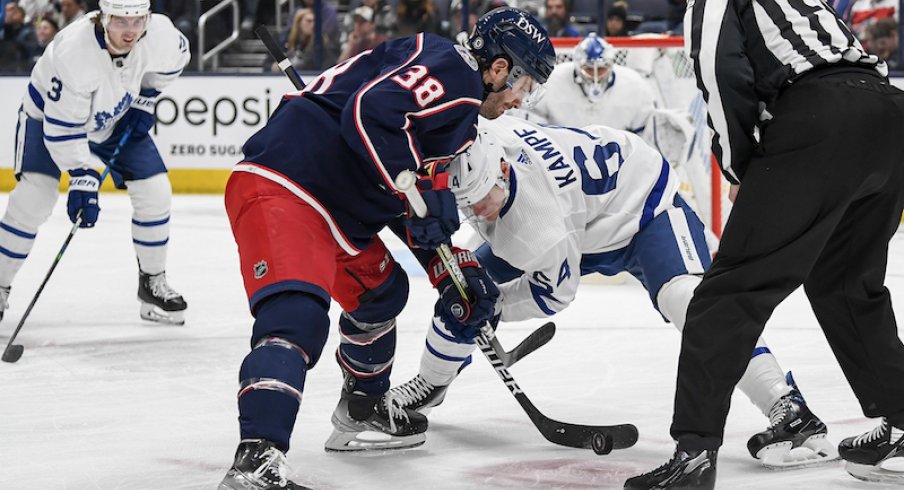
{"x":548,"y":218}
{"x":96,"y":82}
{"x":316,"y":186}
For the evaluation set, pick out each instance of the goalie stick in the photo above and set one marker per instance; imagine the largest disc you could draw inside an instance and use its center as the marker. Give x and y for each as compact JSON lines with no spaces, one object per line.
{"x":602,"y":439}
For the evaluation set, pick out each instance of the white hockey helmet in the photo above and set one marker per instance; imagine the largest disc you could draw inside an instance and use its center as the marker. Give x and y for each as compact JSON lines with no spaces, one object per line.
{"x":593,"y":58}
{"x":473,"y":173}
{"x":125,"y":8}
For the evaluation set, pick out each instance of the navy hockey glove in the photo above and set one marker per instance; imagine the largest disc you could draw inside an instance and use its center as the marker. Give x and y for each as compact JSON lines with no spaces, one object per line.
{"x":83,"y":186}
{"x":462,"y":318}
{"x":140,"y":121}
{"x":441,"y":221}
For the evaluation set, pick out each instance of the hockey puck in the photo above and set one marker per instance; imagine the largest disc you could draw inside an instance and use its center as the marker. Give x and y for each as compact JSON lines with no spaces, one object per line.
{"x":601,"y":444}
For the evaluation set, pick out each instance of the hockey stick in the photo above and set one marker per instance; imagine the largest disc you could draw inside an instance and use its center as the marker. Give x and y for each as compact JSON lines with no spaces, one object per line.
{"x":538,"y":338}
{"x":281,"y":59}
{"x":602,"y":439}
{"x":13,"y":352}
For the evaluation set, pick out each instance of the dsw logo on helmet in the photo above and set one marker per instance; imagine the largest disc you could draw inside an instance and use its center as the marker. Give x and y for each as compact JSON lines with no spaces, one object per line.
{"x":530,"y":29}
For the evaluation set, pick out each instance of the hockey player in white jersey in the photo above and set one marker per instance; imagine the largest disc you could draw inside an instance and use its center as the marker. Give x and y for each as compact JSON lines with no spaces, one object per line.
{"x":566,"y":202}
{"x":90,"y":103}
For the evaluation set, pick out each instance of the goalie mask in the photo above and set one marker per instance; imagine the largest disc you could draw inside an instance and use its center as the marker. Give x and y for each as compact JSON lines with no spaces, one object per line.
{"x":473,"y":174}
{"x":593,"y":58}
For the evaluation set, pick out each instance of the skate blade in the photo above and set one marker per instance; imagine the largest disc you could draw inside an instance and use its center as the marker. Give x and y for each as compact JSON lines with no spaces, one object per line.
{"x":888,"y":471}
{"x":370,"y":441}
{"x":156,"y":314}
{"x":816,"y":450}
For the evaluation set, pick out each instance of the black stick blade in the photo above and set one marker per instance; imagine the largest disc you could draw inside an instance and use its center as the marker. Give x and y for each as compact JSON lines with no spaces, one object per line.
{"x":13,"y":352}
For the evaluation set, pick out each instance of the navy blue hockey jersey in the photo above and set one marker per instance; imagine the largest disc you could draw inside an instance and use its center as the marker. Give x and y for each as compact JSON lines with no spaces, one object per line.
{"x":339,"y":143}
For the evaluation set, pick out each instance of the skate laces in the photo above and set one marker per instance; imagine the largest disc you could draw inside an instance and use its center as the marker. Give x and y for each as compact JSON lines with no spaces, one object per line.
{"x":413,"y":391}
{"x":872,"y":435}
{"x":273,"y":464}
{"x":394,"y":410}
{"x":160,"y":288}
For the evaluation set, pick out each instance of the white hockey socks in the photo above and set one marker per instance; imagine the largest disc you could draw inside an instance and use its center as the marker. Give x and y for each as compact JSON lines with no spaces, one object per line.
{"x":151,"y":200}
{"x":443,"y":355}
{"x":29,"y":206}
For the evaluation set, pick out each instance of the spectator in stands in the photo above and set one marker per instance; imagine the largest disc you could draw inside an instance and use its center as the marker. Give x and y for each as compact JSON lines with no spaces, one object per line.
{"x":20,"y":34}
{"x":300,"y":44}
{"x":413,"y":16}
{"x":384,"y":17}
{"x":363,"y":35}
{"x":882,"y":37}
{"x":452,"y":27}
{"x":35,"y":9}
{"x":72,"y":10}
{"x":558,"y":19}
{"x":45,"y":30}
{"x":616,"y":18}
{"x":329,"y":19}
{"x":865,"y":12}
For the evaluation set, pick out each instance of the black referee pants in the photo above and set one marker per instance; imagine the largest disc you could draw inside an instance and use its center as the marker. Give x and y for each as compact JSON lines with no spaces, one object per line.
{"x":817,"y":206}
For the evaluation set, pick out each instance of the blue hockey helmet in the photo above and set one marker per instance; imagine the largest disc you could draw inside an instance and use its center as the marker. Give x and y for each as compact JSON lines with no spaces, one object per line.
{"x":593,"y":58}
{"x":516,"y":35}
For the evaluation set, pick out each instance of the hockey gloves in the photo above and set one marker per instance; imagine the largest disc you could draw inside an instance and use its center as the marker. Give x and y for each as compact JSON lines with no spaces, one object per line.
{"x":83,"y":186}
{"x":140,"y":115}
{"x":441,"y":221}
{"x":464,"y":319}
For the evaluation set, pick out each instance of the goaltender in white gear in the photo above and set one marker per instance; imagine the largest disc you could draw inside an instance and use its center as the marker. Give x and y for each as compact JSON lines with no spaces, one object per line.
{"x":90,"y":101}
{"x":555,"y":203}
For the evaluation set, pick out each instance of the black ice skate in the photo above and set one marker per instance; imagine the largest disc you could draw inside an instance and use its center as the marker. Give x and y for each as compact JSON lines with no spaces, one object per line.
{"x":366,"y":423}
{"x":795,"y":438}
{"x":869,"y":456}
{"x":419,"y":395}
{"x":159,"y":302}
{"x":4,"y":299}
{"x":259,"y":465}
{"x":686,"y":469}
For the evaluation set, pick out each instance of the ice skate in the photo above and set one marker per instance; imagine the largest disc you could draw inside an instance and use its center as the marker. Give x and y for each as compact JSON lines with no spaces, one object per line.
{"x":686,"y":469}
{"x":795,"y":438}
{"x":367,"y":423}
{"x":4,"y":299}
{"x":259,"y":465}
{"x":159,"y":302}
{"x":876,"y":456}
{"x":419,"y":395}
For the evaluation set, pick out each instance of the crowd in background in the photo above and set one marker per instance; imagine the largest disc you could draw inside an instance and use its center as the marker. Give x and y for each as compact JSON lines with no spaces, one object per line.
{"x":352,"y":26}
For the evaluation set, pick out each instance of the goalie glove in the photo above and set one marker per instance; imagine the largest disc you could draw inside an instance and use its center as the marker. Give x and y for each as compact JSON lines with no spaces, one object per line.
{"x":464,"y":319}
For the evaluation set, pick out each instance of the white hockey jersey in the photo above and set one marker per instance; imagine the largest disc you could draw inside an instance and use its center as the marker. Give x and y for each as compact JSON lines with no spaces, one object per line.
{"x":573,"y":192}
{"x":626,"y":103}
{"x":80,"y":91}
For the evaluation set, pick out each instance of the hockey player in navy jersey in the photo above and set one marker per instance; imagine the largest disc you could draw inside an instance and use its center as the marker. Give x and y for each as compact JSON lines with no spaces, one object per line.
{"x":96,"y":83}
{"x":568,"y":202}
{"x":305,"y":205}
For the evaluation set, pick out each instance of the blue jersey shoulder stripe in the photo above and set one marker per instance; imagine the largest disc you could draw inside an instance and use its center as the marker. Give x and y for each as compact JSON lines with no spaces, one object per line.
{"x":174,"y":72}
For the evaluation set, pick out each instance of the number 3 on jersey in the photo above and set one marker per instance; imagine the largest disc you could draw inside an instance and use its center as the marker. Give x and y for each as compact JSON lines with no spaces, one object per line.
{"x":424,"y":93}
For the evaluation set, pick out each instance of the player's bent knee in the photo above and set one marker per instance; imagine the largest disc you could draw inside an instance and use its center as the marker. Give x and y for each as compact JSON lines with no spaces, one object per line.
{"x":151,"y":197}
{"x":385,"y":302}
{"x":32,"y":201}
{"x":674,"y":297}
{"x":300,"y":319}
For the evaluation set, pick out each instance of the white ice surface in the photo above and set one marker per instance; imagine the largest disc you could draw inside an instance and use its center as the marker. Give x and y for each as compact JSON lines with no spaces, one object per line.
{"x":103,"y":400}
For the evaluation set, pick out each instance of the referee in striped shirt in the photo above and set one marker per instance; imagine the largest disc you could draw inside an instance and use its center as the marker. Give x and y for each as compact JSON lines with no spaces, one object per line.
{"x":810,"y":134}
